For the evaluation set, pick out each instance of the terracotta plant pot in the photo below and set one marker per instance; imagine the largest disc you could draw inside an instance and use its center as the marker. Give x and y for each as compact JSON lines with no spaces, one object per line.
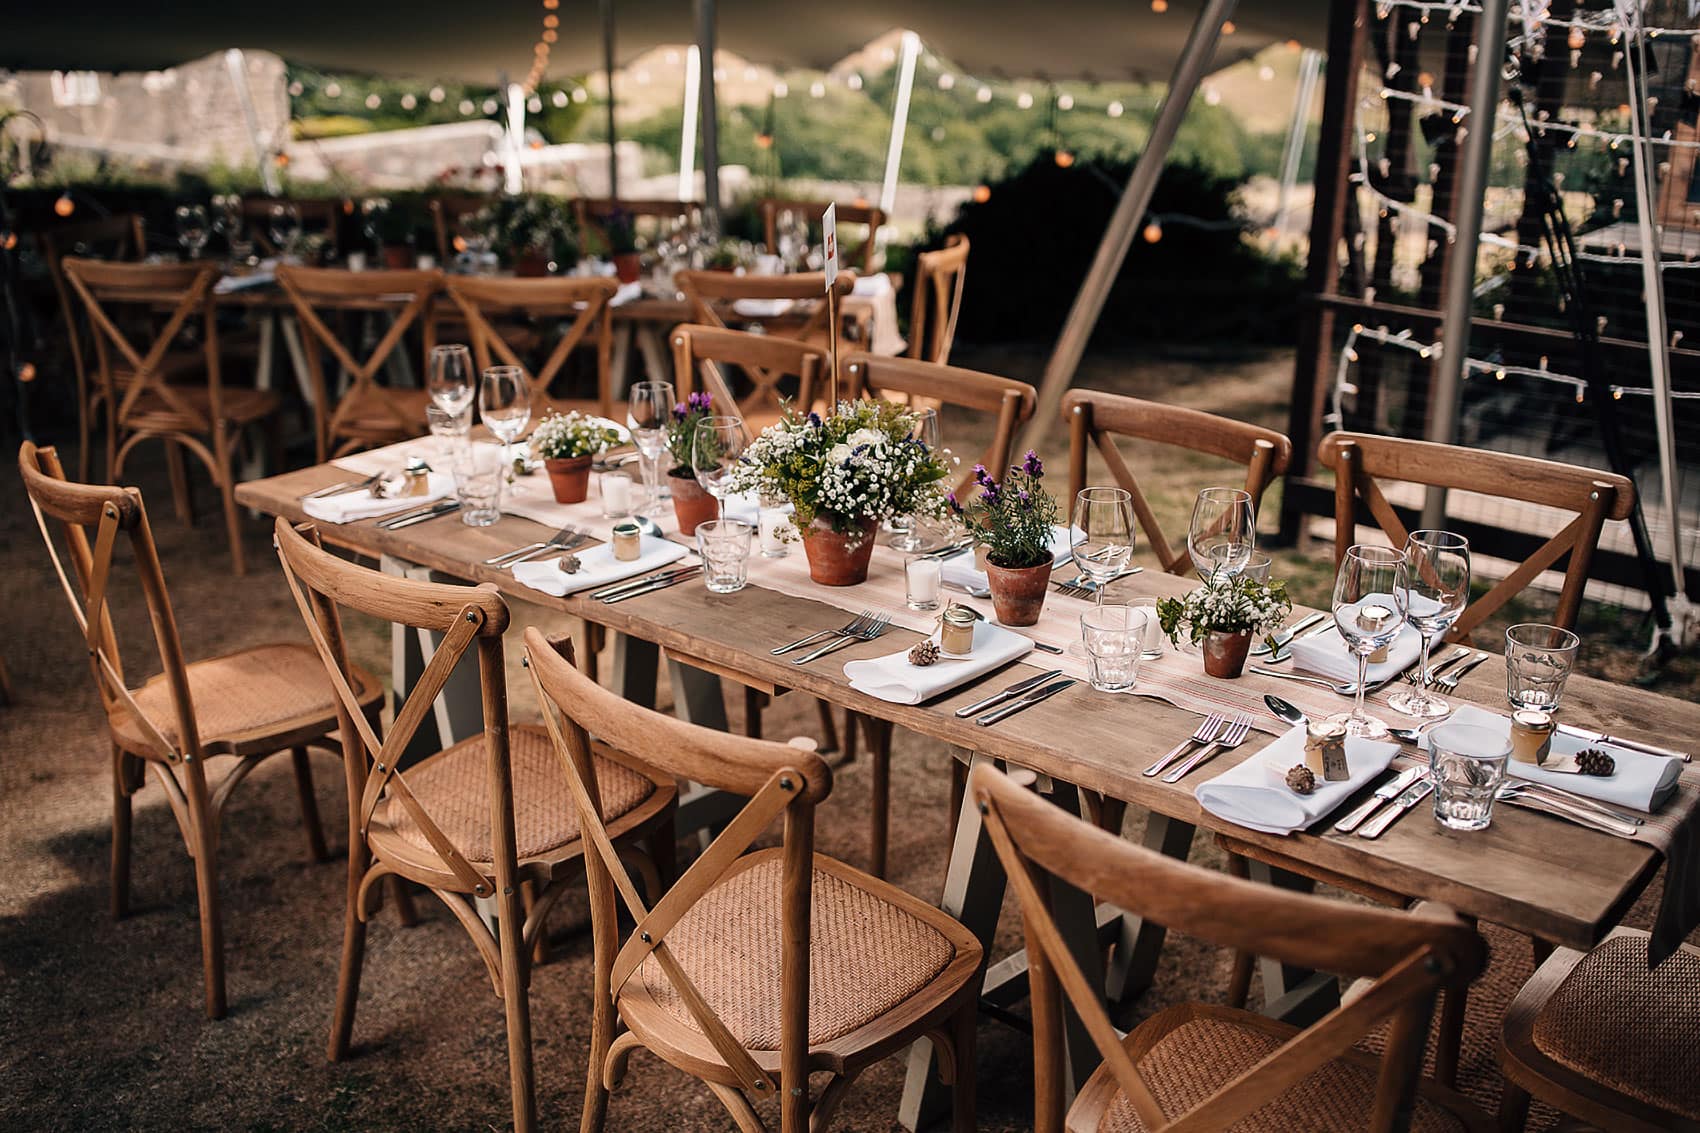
{"x":1018,"y":593}
{"x":1225,"y":653}
{"x":530,"y":265}
{"x":569,"y":477}
{"x":628,"y":266}
{"x":836,"y":559}
{"x":691,"y":505}
{"x":398,"y":256}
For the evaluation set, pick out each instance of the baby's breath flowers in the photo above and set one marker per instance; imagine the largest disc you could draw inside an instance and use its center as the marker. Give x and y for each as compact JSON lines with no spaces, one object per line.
{"x":1227,"y":604}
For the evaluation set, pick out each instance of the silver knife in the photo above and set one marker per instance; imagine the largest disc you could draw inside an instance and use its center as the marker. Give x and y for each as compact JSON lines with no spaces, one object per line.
{"x":659,"y":584}
{"x":1413,"y":795}
{"x":1287,"y":635}
{"x":639,"y":582}
{"x":1027,"y":701}
{"x":949,"y":552}
{"x":1015,"y":689}
{"x":1388,"y":790}
{"x":1286,"y":650}
{"x":1633,"y":745}
{"x":443,"y":508}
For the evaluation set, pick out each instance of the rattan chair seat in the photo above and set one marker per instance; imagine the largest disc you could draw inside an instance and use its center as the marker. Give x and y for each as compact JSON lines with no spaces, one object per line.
{"x":369,"y":413}
{"x":240,"y":406}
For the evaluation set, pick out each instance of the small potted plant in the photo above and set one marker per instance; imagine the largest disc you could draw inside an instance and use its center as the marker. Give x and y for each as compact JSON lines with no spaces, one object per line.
{"x":392,"y":223}
{"x":691,"y":504}
{"x":1012,"y":519}
{"x":567,"y":445}
{"x":727,"y":255}
{"x":844,"y":474}
{"x":1223,"y":616}
{"x":534,"y":232}
{"x":622,"y":246}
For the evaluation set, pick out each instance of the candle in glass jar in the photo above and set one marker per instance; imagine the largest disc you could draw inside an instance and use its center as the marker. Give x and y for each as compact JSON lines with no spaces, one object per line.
{"x":616,"y":494}
{"x":925,"y":578}
{"x":770,"y":523}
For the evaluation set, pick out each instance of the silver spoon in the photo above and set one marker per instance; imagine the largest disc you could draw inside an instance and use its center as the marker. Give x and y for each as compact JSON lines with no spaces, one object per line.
{"x":1293,"y":714}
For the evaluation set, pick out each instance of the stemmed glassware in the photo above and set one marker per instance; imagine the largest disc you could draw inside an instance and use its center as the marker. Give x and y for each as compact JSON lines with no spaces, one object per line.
{"x":1432,"y":594}
{"x":449,"y":379}
{"x":192,"y":229}
{"x":908,"y":535}
{"x":1369,"y":617}
{"x":283,"y":225}
{"x":716,"y":448}
{"x":504,"y":404}
{"x":651,"y":409}
{"x":1223,"y":533}
{"x":1101,"y":538}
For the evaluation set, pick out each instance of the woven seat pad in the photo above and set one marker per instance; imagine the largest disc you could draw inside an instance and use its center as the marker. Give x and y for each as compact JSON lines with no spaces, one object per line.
{"x":1196,"y":1058}
{"x":237,"y":403}
{"x":1632,"y":1030}
{"x":454,"y":788}
{"x":866,"y":956}
{"x":239,"y":695}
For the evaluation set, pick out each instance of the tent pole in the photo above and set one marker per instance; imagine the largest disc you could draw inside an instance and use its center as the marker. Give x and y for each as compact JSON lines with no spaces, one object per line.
{"x":688,"y":132}
{"x":707,"y":20}
{"x":1190,"y":68}
{"x":514,"y":178}
{"x":238,"y":66}
{"x":1310,"y":62}
{"x":1458,"y":288}
{"x":608,"y":70}
{"x":899,"y":121}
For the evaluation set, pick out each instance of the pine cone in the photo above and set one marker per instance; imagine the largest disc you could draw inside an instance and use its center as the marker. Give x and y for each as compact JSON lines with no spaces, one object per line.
{"x":568,"y":564}
{"x":1300,"y":779}
{"x":924,"y":653}
{"x":1593,"y":761}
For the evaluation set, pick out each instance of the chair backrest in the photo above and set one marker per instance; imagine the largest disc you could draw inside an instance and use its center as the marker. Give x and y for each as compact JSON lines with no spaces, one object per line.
{"x":583,"y":300}
{"x":714,"y":294}
{"x":874,"y":375}
{"x":318,"y":216}
{"x":703,"y":351}
{"x":466,"y":616}
{"x":939,"y":279}
{"x":408,"y":294}
{"x":1359,"y":459}
{"x":109,"y":292}
{"x":593,"y":212}
{"x":1095,"y":419}
{"x":450,"y":215}
{"x":860,"y":256}
{"x":779,"y":780}
{"x":1410,"y":956}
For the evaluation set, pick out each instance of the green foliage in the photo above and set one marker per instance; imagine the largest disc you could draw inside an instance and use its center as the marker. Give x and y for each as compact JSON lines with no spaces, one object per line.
{"x":1228,"y":604}
{"x":531,"y":222}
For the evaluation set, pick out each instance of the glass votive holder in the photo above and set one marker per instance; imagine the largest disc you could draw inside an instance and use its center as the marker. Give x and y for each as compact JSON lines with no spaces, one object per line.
{"x":1114,"y":636}
{"x":1257,"y":567}
{"x":774,"y":529}
{"x":923,"y":582}
{"x":724,"y":545}
{"x":618,"y":494}
{"x":446,"y":424}
{"x":478,"y":473}
{"x":1538,"y":660}
{"x":1155,"y":643}
{"x":1467,"y":765}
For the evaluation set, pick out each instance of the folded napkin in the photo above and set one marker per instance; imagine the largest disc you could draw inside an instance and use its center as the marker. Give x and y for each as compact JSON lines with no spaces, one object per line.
{"x":598,"y":567}
{"x":626,"y":293}
{"x":1639,"y":781}
{"x":761,"y":308}
{"x":893,"y":678}
{"x":1326,"y":655}
{"x":350,"y":506}
{"x":1255,"y":794}
{"x":261,"y":277}
{"x":959,"y":569}
{"x":871,"y":286}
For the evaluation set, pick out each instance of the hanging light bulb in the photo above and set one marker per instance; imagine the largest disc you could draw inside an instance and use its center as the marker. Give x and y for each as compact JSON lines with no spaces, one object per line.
{"x":984,"y":94}
{"x":558,"y":99}
{"x":1114,"y":110}
{"x":1065,"y":102}
{"x":853,"y":81}
{"x":1159,"y":6}
{"x":982,"y":194}
{"x":764,"y":141}
{"x":1064,"y":159}
{"x":64,"y":206}
{"x":1024,"y":100}
{"x":1153,"y":231}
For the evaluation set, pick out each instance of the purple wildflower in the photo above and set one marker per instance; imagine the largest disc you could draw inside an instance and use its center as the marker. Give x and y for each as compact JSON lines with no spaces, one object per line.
{"x":981,"y":476}
{"x":679,"y":411}
{"x":955,"y":506}
{"x":1031,"y":465}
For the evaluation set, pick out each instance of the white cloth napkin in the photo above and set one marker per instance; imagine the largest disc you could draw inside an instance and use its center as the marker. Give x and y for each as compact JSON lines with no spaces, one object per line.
{"x":1326,"y":655}
{"x":1255,"y":794}
{"x":598,"y":567}
{"x":262,"y":276}
{"x":1639,"y":781}
{"x":959,"y":569}
{"x":871,"y":286}
{"x":626,"y":293}
{"x":350,"y":506}
{"x":761,"y":308}
{"x":893,"y":678}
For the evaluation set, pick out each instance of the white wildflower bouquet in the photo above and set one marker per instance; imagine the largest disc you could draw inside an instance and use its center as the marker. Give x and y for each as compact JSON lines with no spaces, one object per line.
{"x":563,"y":437}
{"x":860,"y":464}
{"x":1228,"y":604}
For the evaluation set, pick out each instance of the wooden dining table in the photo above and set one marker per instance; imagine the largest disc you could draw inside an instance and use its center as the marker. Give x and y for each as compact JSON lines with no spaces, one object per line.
{"x":1097,"y":742}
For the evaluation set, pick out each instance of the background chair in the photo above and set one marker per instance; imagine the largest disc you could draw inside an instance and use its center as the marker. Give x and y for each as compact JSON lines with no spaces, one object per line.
{"x":593,"y":213}
{"x":319,"y":217}
{"x":939,"y":279}
{"x":860,"y":256}
{"x":761,"y":967}
{"x":249,"y":705}
{"x":1205,"y":1067}
{"x":483,"y":818}
{"x":483,"y":301}
{"x":453,"y":222}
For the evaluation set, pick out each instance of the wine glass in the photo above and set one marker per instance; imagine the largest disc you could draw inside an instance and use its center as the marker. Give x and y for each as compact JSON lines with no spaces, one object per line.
{"x":504,"y":404}
{"x":1432,"y":594}
{"x":716,"y":448}
{"x":1223,"y":532}
{"x":1102,"y":535}
{"x":651,"y":410}
{"x":449,"y":379}
{"x":1368,"y":614}
{"x":192,"y":229}
{"x":283,"y":226}
{"x":925,"y":430}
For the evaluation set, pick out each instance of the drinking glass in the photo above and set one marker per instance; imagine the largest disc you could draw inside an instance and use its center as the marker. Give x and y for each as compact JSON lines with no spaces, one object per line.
{"x":283,"y":225}
{"x":926,"y":430}
{"x":650,"y":410}
{"x":449,"y":378}
{"x":1432,"y":594}
{"x":1223,"y":532}
{"x":1114,"y":636}
{"x":1101,"y":538}
{"x":192,"y":229}
{"x":1467,"y":765}
{"x":478,"y":482}
{"x":724,"y":545}
{"x":1257,"y":567}
{"x":923,"y":579}
{"x":716,"y":448}
{"x":1368,"y":615}
{"x":1538,"y":660}
{"x":773,"y":527}
{"x":452,"y":425}
{"x":504,"y":404}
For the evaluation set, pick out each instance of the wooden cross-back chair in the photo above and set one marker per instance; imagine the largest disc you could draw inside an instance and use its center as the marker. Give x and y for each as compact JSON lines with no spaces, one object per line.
{"x":208,"y":418}
{"x":115,"y":239}
{"x":861,"y":256}
{"x":319,"y":216}
{"x":593,"y":212}
{"x":1095,"y":419}
{"x":450,"y":217}
{"x":700,"y":354}
{"x":1360,"y":461}
{"x":757,"y":968}
{"x":712,"y":295}
{"x":367,"y":413}
{"x":1198,"y":1067}
{"x":939,"y":279}
{"x":486,"y":817}
{"x":248,"y":705}
{"x":583,"y":300}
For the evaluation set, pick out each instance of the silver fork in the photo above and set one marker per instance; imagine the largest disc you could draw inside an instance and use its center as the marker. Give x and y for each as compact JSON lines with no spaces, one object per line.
{"x":1205,"y":733}
{"x":849,"y":627}
{"x":561,"y":540}
{"x":1082,"y":587}
{"x":1230,"y":739}
{"x":1450,"y":681}
{"x":867,"y":633}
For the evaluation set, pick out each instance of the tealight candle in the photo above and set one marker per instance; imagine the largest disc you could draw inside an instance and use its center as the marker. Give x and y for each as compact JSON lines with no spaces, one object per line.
{"x":616,"y":494}
{"x":771,"y":524}
{"x":1373,"y":618}
{"x":923,"y":579}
